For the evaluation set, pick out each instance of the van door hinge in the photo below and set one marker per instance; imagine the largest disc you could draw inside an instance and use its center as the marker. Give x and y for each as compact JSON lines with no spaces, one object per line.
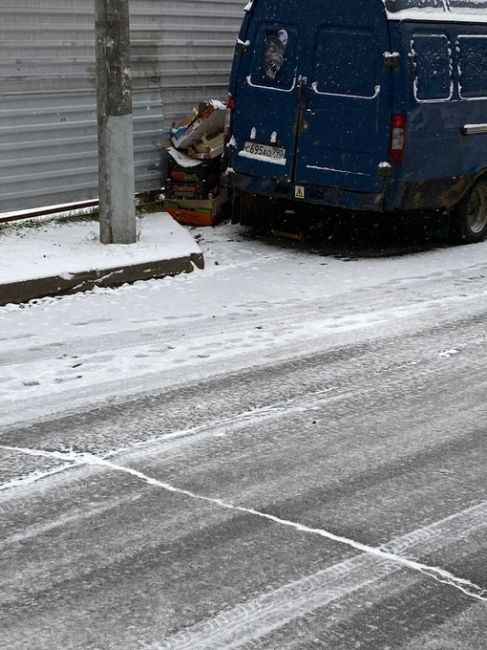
{"x":384,"y":169}
{"x":242,"y":46}
{"x":391,"y":60}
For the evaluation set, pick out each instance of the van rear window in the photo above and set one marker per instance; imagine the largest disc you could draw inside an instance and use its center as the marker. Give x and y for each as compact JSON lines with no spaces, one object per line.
{"x":433,"y":67}
{"x":346,"y":61}
{"x":472,"y":53}
{"x":274,"y":57}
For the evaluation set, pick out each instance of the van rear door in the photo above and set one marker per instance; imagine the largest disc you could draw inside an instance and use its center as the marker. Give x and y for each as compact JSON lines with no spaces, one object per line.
{"x":312,"y":94}
{"x":267,"y":89}
{"x":346,"y":112}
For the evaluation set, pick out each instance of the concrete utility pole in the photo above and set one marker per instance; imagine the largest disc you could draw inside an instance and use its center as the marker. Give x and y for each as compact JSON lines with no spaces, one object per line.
{"x":115,"y":123}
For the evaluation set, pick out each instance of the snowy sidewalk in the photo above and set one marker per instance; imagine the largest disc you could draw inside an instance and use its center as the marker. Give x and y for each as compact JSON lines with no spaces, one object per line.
{"x":46,"y":258}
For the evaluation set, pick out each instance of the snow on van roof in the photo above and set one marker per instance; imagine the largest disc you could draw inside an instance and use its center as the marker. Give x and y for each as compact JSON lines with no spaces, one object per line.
{"x":401,"y":5}
{"x":442,"y":10}
{"x":475,"y":6}
{"x":443,"y":5}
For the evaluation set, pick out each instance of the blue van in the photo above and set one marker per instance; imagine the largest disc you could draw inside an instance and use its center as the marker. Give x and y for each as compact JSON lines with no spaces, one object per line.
{"x":367,"y":105}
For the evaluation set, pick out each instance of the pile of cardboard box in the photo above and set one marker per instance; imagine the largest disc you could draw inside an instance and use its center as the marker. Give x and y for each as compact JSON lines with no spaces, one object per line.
{"x":192,"y":188}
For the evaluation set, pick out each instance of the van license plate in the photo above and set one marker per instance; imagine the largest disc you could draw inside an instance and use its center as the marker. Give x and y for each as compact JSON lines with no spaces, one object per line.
{"x":265,"y":150}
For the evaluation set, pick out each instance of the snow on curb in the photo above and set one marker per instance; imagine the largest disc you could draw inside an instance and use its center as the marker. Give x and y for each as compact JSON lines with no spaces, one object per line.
{"x":60,"y":257}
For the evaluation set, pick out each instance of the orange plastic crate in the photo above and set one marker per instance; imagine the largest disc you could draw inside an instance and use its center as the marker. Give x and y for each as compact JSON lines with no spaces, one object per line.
{"x":196,"y":212}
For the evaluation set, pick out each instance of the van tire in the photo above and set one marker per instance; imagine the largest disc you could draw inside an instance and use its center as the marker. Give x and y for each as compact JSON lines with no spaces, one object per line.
{"x":470,"y":217}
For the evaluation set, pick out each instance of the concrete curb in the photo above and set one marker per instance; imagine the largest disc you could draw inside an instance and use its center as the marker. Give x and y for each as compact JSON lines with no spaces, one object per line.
{"x":20,"y":292}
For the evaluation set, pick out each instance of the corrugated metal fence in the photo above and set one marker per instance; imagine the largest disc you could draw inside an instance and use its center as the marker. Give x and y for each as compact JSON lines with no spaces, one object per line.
{"x":181,"y":53}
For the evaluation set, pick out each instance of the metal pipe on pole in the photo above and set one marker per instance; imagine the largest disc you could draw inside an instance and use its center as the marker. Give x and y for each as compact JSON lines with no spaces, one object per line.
{"x":115,"y":123}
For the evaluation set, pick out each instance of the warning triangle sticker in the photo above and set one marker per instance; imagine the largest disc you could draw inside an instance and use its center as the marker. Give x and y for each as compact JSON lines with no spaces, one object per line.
{"x":299,"y":192}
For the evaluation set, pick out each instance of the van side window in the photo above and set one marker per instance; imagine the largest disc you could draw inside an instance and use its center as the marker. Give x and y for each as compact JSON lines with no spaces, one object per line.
{"x":274,"y":58}
{"x":346,"y":62}
{"x":433,"y":67}
{"x":472,"y":67}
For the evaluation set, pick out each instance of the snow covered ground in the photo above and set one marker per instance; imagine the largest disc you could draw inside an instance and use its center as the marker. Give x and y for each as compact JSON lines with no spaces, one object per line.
{"x":50,"y":248}
{"x":285,"y":451}
{"x":256,"y":302}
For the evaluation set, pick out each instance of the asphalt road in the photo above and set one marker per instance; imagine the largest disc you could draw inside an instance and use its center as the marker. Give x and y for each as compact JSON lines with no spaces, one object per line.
{"x":336,"y":499}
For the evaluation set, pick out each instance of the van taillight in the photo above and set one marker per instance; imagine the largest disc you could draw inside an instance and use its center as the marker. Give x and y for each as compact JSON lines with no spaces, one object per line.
{"x":229,"y":119}
{"x":398,"y":138}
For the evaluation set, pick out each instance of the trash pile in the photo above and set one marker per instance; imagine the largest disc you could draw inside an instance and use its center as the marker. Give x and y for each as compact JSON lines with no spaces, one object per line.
{"x":193,"y":192}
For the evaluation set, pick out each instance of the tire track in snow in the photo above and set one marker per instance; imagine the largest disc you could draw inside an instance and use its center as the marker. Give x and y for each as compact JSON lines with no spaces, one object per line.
{"x":435,"y":289}
{"x":215,"y":428}
{"x":314,"y":399}
{"x":252,"y":620}
{"x":384,"y":554}
{"x":287,"y":333}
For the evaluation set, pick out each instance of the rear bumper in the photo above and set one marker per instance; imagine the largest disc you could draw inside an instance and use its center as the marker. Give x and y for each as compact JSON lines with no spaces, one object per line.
{"x":283,"y":190}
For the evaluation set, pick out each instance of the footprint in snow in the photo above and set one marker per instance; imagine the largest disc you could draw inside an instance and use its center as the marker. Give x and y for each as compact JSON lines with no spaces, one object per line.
{"x":449,"y":353}
{"x":63,"y":380}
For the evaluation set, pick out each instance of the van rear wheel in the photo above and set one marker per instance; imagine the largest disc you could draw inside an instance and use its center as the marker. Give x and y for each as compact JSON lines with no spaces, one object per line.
{"x":470,"y":217}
